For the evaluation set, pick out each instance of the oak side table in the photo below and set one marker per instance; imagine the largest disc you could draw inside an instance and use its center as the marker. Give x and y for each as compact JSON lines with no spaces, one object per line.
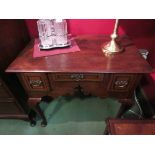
{"x":88,"y":71}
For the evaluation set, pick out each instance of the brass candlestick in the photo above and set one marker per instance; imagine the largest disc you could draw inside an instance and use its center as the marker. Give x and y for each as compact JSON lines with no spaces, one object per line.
{"x":113,"y":46}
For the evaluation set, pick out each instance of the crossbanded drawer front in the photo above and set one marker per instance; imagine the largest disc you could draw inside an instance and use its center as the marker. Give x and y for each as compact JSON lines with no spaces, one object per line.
{"x":122,"y":82}
{"x":35,"y":81}
{"x":76,"y":77}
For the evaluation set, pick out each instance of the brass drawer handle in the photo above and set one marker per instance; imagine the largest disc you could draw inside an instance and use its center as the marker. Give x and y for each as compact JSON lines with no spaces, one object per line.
{"x":77,"y":77}
{"x":121,"y":84}
{"x":36,"y":83}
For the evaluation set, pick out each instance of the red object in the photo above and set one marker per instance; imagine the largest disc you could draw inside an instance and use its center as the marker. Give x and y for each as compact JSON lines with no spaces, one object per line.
{"x":153,"y":75}
{"x":80,"y":26}
{"x":92,"y":26}
{"x":40,"y":53}
{"x":32,"y":27}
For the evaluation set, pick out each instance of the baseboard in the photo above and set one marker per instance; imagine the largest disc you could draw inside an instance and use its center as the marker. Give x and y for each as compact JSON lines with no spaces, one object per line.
{"x":9,"y":116}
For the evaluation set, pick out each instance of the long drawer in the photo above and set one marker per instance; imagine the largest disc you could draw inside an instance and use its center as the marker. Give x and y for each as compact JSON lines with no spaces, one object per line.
{"x":76,"y":77}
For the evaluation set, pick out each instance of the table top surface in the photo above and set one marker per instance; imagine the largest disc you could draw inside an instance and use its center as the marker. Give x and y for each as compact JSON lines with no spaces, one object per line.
{"x":131,"y":127}
{"x":90,"y":59}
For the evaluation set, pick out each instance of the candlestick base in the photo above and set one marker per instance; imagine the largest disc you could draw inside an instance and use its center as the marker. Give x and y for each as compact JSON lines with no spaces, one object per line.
{"x":111,"y":47}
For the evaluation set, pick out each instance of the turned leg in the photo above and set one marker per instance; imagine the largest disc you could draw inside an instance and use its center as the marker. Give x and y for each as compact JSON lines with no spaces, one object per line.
{"x":32,"y":102}
{"x":122,"y":110}
{"x":125,"y":105}
{"x":106,"y":131}
{"x":41,"y":114}
{"x":36,"y":110}
{"x":32,"y":117}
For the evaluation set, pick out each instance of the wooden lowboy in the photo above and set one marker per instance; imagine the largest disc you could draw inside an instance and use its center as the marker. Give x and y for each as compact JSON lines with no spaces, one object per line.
{"x":89,"y":71}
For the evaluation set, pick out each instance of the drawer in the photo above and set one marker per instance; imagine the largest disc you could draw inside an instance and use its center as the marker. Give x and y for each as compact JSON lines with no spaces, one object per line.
{"x":76,"y":77}
{"x":4,"y":92}
{"x":35,"y":81}
{"x":122,"y":82}
{"x":9,"y":107}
